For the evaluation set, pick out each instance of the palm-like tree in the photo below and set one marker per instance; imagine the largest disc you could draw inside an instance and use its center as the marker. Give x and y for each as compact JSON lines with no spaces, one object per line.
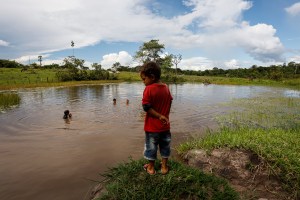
{"x":72,"y":45}
{"x":40,"y":60}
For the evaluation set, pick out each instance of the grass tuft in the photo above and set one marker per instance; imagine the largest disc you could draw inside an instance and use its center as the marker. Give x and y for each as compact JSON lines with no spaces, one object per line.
{"x":130,"y":181}
{"x":9,"y":99}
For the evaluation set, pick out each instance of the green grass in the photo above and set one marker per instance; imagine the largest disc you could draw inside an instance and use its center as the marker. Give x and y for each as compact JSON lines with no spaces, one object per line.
{"x":291,"y":83}
{"x":129,"y":76}
{"x":12,"y":78}
{"x":9,"y":99}
{"x":269,"y":127}
{"x":130,"y":181}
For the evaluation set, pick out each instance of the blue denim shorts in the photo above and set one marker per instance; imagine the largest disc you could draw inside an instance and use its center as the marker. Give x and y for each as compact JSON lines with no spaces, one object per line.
{"x":155,"y":140}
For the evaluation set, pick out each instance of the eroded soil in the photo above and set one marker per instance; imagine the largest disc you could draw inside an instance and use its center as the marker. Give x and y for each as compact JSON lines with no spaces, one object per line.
{"x":246,"y":172}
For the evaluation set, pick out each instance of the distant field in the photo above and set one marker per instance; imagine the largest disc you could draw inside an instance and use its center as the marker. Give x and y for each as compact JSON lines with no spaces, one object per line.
{"x":14,"y":76}
{"x":11,"y":78}
{"x":293,"y":83}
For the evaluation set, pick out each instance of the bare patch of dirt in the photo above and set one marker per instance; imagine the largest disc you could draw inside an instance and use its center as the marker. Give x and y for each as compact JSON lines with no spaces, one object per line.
{"x":247,"y":173}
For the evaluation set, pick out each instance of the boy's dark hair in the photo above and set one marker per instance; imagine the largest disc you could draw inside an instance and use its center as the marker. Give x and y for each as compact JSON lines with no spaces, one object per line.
{"x":150,"y":69}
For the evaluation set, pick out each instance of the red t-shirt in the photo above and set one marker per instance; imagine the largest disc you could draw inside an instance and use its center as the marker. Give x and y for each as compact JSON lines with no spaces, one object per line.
{"x":159,"y":97}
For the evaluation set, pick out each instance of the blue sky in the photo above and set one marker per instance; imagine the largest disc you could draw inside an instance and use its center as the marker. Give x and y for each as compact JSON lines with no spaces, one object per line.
{"x":207,"y":33}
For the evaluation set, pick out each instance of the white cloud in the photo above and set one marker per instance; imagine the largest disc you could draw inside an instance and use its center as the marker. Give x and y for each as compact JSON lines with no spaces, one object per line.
{"x":260,"y":42}
{"x":217,"y":14}
{"x":196,"y":63}
{"x":213,"y":26}
{"x":295,"y":58}
{"x":232,"y":64}
{"x":34,"y":59}
{"x":293,"y":9}
{"x":123,"y":57}
{"x":4,"y":43}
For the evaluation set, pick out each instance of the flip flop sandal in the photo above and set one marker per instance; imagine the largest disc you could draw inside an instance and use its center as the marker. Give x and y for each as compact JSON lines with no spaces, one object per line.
{"x":145,"y":167}
{"x":165,"y":172}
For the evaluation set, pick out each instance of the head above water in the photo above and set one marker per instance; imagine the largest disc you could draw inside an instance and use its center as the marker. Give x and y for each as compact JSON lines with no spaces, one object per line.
{"x":151,"y":69}
{"x":67,"y":114}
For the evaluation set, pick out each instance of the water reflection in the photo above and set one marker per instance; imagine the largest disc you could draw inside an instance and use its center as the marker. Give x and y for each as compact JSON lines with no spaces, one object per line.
{"x":42,"y":156}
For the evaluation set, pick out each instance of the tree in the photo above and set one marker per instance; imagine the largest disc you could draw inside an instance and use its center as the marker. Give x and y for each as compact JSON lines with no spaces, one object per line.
{"x":149,"y":51}
{"x":165,"y":63}
{"x":116,"y":66}
{"x":96,"y":66}
{"x":176,"y":59}
{"x":40,"y":60}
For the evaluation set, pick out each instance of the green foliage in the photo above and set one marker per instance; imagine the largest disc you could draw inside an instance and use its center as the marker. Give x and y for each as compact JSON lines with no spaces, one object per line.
{"x":9,"y":64}
{"x":9,"y":99}
{"x":165,"y":63}
{"x":172,"y":78}
{"x":149,"y":51}
{"x":74,"y":70}
{"x":273,"y":72}
{"x":130,"y":181}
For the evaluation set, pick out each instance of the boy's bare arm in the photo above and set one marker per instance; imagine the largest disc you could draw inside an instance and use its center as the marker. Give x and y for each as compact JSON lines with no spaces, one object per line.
{"x":161,"y":117}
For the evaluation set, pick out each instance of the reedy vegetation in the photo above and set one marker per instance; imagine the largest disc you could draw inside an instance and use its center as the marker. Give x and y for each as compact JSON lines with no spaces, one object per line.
{"x":8,"y":100}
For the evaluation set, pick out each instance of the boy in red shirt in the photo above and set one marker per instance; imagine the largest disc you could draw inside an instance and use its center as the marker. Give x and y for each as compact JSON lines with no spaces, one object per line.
{"x":156,"y":102}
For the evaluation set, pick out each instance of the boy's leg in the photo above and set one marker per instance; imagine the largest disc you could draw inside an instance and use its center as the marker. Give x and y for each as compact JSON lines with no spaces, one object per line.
{"x":165,"y":150}
{"x":150,"y":151}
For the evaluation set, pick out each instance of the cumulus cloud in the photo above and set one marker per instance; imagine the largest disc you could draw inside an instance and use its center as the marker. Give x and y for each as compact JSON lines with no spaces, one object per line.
{"x":123,"y":57}
{"x":220,"y":30}
{"x":232,"y":64}
{"x":216,"y":14}
{"x":4,"y":43}
{"x":295,"y":58}
{"x":196,"y":63}
{"x":293,"y":9}
{"x":260,"y":42}
{"x":47,"y":26}
{"x":26,"y":59}
{"x":29,"y":59}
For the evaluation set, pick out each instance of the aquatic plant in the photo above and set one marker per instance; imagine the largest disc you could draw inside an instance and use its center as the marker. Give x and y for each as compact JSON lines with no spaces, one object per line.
{"x":9,"y":99}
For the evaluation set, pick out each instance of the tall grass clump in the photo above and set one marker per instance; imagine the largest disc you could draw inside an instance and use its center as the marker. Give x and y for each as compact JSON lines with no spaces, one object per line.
{"x":9,"y":99}
{"x":267,"y":126}
{"x":129,"y":181}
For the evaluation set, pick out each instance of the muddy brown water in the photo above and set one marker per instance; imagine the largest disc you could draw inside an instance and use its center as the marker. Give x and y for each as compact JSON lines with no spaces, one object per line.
{"x":42,"y":156}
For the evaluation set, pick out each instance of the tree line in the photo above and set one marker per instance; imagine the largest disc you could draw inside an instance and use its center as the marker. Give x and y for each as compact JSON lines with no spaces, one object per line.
{"x":73,"y":68}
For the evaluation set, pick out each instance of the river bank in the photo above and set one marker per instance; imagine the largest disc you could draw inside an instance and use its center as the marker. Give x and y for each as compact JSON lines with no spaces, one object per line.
{"x":256,"y":152}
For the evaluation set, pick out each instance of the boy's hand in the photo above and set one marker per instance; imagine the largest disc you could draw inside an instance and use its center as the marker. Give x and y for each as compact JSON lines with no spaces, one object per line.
{"x":163,"y":119}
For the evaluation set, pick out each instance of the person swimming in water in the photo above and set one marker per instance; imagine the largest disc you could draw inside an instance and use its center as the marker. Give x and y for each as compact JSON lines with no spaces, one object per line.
{"x":67,"y":114}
